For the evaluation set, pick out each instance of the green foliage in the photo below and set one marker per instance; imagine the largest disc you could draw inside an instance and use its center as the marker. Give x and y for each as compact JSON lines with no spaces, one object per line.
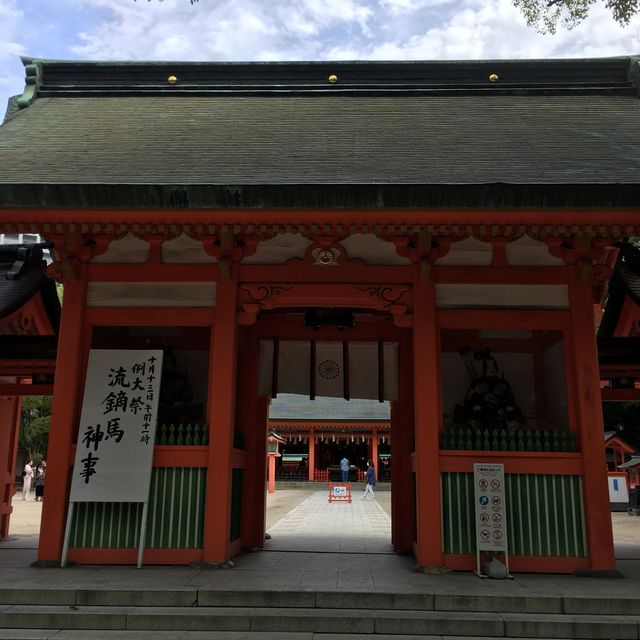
{"x":547,"y":15}
{"x":35,"y":421}
{"x":625,"y":418}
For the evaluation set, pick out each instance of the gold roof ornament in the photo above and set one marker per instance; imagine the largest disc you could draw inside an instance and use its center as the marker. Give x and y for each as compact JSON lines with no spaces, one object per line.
{"x":494,"y":77}
{"x":172,"y":80}
{"x":333,"y":78}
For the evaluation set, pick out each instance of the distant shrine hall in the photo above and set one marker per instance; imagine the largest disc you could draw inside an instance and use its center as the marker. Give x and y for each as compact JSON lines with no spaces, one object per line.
{"x":244,"y":247}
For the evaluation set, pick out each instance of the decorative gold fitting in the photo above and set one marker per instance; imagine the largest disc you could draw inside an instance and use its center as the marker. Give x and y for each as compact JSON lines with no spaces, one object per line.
{"x":494,"y":77}
{"x":325,"y":256}
{"x":172,"y":79}
{"x":333,"y":78}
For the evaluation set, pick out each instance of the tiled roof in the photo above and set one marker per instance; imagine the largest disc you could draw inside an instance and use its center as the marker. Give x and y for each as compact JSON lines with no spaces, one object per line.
{"x":22,"y":275}
{"x":624,"y":283}
{"x":553,"y":122}
{"x":292,"y":407}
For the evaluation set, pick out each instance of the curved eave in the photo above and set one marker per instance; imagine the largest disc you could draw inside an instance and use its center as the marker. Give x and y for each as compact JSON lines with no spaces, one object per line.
{"x":318,"y":196}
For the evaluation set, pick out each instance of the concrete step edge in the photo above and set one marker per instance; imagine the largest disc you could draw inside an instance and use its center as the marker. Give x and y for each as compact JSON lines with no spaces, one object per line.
{"x":496,"y":603}
{"x":344,"y":621}
{"x":79,"y":634}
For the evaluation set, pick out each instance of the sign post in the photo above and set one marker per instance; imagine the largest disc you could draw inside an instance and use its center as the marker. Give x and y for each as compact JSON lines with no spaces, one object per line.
{"x":339,"y":492}
{"x":490,"y":512}
{"x":114,"y":451}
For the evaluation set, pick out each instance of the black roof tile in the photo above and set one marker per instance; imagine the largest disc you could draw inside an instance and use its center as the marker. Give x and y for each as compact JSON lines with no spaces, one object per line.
{"x":261,"y":125}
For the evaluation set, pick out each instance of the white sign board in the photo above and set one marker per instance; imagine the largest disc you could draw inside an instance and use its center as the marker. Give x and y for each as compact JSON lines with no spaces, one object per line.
{"x":618,"y":491}
{"x":114,"y":452}
{"x":491,"y":510}
{"x":339,"y":490}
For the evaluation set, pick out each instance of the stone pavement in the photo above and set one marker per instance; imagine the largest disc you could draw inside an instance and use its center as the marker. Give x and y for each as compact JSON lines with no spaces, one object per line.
{"x":315,"y":524}
{"x":342,"y":547}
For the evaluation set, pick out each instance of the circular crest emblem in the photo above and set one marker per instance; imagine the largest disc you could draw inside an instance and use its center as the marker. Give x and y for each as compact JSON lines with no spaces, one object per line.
{"x":325,"y":256}
{"x":329,"y":369}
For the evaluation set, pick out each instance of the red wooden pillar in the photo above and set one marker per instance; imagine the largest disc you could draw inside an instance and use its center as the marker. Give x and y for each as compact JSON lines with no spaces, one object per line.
{"x":251,"y":419}
{"x":67,"y":395}
{"x":221,"y":414}
{"x":311,"y":462}
{"x":590,"y":426}
{"x":427,"y":402}
{"x":374,"y":451}
{"x":271,"y":483}
{"x":10,"y":408}
{"x":262,"y":424}
{"x":402,"y":503}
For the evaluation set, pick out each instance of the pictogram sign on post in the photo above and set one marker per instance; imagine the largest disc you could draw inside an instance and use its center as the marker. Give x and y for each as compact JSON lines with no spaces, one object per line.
{"x":490,"y":511}
{"x":339,"y":492}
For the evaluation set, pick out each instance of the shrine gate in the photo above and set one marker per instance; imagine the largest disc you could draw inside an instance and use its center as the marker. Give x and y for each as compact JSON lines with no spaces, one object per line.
{"x":461,"y":214}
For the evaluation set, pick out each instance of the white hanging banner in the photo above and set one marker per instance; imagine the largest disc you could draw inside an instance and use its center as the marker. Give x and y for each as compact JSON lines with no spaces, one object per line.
{"x":364,"y":377}
{"x":294,"y":360}
{"x":370,"y":370}
{"x":390,"y":370}
{"x":329,"y":370}
{"x":114,"y":453}
{"x":265,"y":371}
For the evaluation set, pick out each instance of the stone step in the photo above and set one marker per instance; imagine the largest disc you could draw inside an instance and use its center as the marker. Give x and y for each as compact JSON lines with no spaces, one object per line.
{"x":74,"y":634}
{"x":491,"y":603}
{"x":339,"y":622}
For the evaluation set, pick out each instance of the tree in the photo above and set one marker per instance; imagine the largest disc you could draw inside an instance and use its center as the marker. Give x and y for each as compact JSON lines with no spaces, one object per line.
{"x":623,"y":417}
{"x":547,"y":15}
{"x":35,"y":421}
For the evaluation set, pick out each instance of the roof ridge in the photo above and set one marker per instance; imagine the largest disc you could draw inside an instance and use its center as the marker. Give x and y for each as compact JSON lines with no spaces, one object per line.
{"x":78,"y":77}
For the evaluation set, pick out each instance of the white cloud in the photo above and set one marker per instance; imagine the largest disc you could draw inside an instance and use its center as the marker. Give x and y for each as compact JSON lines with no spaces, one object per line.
{"x":10,"y":49}
{"x":290,"y":30}
{"x":406,"y":6}
{"x":487,"y":29}
{"x":224,"y":30}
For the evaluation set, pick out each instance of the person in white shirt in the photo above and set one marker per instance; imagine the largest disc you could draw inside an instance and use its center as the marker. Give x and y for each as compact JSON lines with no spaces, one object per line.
{"x":27,"y":476}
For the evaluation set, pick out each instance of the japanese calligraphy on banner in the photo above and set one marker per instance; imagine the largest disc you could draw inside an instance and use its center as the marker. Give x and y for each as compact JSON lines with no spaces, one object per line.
{"x":491,"y":510}
{"x":114,"y":452}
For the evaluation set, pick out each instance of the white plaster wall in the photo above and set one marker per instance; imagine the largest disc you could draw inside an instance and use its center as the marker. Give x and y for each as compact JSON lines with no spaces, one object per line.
{"x":487,"y":296}
{"x":151,"y":294}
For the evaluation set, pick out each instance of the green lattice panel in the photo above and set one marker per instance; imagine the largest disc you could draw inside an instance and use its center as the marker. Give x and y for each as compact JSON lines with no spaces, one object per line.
{"x":544,"y":515}
{"x":175,"y":516}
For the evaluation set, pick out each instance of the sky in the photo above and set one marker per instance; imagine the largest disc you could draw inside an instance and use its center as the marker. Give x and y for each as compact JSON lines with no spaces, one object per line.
{"x":261,"y":30}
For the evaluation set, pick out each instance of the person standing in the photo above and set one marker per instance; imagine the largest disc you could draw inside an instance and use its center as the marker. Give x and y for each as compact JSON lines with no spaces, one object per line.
{"x":371,"y":481}
{"x":38,"y":481}
{"x":344,"y":467}
{"x":27,"y":476}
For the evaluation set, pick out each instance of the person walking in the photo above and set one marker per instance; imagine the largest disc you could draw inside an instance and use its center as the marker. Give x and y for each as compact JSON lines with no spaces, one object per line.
{"x":38,"y":481}
{"x":27,"y":476}
{"x":371,"y":481}
{"x":344,"y":467}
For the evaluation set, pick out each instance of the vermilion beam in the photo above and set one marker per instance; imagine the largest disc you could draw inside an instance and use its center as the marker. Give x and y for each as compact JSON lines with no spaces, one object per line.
{"x":344,"y":217}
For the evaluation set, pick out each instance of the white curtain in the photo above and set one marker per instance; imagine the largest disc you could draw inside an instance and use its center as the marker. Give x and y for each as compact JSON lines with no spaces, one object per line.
{"x":371,"y":369}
